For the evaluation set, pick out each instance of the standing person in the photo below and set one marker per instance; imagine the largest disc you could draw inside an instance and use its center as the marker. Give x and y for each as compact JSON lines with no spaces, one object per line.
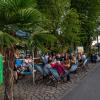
{"x":94,"y":58}
{"x":98,"y":57}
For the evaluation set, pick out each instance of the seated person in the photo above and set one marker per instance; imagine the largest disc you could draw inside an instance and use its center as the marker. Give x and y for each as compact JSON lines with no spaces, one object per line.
{"x":18,"y":62}
{"x":28,"y":63}
{"x":58,"y":57}
{"x":73,"y":60}
{"x":47,"y":67}
{"x":73,"y":64}
{"x":22,"y":65}
{"x":80,"y":60}
{"x":83,"y":57}
{"x":67,"y":67}
{"x":59,"y":67}
{"x":39,"y":68}
{"x":54,"y":71}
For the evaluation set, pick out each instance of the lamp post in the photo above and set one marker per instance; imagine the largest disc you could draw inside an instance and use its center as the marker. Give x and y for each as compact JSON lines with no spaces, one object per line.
{"x":98,"y":30}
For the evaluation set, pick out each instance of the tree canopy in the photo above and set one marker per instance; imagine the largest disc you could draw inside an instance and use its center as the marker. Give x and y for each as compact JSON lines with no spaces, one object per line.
{"x":88,"y":11}
{"x":71,"y":22}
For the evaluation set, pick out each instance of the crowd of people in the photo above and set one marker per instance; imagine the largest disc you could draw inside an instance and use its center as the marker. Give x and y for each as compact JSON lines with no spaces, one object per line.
{"x":22,"y":64}
{"x":54,"y":66}
{"x":60,"y":65}
{"x":95,"y":57}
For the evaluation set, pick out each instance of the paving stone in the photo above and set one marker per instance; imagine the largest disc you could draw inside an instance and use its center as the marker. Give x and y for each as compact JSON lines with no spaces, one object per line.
{"x":47,"y":98}
{"x":25,"y":90}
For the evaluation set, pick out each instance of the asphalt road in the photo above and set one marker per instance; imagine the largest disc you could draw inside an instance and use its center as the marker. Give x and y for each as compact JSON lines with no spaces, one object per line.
{"x":87,"y":89}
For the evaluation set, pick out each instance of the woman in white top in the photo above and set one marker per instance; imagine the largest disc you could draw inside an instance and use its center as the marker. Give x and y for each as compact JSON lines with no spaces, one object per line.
{"x":28,"y":62}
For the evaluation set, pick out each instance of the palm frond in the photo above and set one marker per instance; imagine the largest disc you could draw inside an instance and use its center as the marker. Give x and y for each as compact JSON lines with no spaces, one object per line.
{"x":18,"y":11}
{"x":14,"y":5}
{"x":41,"y":39}
{"x":44,"y":37}
{"x":6,"y":40}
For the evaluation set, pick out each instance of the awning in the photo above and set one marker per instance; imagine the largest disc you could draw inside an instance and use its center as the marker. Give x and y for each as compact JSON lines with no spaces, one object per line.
{"x":22,"y":34}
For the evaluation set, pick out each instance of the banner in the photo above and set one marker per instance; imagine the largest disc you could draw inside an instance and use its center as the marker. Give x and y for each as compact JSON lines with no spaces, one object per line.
{"x":1,"y":69}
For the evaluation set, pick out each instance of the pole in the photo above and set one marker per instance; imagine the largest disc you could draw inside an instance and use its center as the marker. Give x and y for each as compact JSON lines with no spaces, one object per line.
{"x":97,"y":43}
{"x":33,"y":70}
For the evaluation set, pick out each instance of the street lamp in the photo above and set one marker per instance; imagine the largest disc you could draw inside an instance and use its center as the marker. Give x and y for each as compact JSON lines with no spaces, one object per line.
{"x":98,"y":31}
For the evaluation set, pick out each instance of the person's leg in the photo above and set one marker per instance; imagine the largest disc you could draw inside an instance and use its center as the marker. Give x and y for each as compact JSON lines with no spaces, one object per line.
{"x":15,"y":76}
{"x":39,"y":68}
{"x":73,"y":67}
{"x":30,"y":67}
{"x":55,"y":74}
{"x":67,"y":75}
{"x":46,"y":71}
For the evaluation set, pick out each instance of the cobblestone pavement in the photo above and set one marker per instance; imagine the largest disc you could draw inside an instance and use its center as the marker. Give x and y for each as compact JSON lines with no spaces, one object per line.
{"x":1,"y":90}
{"x":25,"y":90}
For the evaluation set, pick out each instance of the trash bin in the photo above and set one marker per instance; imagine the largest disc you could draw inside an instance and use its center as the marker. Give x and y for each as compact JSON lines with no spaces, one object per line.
{"x":1,"y":69}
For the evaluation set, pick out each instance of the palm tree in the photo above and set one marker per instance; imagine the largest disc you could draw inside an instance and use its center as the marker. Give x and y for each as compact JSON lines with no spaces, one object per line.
{"x":13,"y":13}
{"x":43,"y":40}
{"x":6,"y":42}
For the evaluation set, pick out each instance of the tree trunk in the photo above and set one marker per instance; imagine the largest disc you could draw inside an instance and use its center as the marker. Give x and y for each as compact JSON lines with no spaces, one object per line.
{"x":97,"y":42}
{"x":8,"y":75}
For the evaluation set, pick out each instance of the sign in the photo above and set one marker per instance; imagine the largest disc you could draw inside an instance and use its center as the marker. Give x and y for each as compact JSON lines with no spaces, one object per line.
{"x":80,"y":49}
{"x":1,"y":69}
